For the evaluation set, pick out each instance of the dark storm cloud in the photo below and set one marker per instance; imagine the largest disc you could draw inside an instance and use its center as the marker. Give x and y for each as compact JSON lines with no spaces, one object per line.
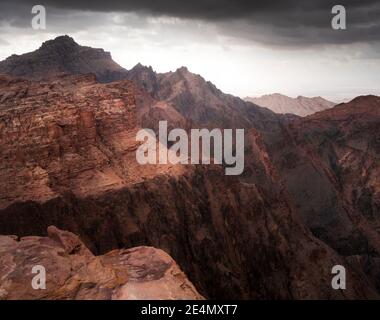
{"x":207,"y":9}
{"x":274,"y":22}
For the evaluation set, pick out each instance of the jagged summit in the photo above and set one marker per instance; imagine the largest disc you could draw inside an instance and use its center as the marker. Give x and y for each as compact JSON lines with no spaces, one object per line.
{"x":182,"y":69}
{"x":140,"y":66}
{"x":60,"y":40}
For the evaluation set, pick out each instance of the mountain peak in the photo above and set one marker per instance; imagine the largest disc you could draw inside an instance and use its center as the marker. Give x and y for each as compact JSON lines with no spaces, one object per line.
{"x":141,"y":67}
{"x":64,"y":40}
{"x":183,"y":69}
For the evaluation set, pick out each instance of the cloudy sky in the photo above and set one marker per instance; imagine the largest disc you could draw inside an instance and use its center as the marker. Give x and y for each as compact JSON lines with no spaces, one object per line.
{"x":246,"y":48}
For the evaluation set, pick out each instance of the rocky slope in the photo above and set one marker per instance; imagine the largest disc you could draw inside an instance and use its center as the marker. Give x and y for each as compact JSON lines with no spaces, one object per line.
{"x":341,"y":203}
{"x":301,"y":106}
{"x":73,"y":272}
{"x":199,"y":101}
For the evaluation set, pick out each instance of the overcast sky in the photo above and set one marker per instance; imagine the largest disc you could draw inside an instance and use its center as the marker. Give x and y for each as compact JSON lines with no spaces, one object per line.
{"x":246,"y":48}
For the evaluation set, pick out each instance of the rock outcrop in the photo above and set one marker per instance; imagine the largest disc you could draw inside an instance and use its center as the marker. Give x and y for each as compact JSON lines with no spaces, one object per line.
{"x":73,"y":272}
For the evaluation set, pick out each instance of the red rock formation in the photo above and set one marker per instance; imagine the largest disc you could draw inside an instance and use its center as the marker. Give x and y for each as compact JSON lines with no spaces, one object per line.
{"x":71,"y":134}
{"x":307,"y":200}
{"x":334,"y":178}
{"x":73,"y":272}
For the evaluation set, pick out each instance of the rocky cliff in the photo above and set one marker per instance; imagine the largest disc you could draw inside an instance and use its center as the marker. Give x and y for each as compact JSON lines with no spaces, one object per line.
{"x":73,"y":272}
{"x":71,"y":134}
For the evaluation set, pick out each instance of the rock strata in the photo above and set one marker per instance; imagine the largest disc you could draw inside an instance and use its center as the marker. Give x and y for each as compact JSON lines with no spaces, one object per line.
{"x":73,"y":272}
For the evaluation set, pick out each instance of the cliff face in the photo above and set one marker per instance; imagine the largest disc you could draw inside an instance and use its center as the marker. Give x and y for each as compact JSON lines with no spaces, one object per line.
{"x":70,"y":134}
{"x":341,"y":201}
{"x":338,"y":193}
{"x":233,"y":240}
{"x":73,"y":272}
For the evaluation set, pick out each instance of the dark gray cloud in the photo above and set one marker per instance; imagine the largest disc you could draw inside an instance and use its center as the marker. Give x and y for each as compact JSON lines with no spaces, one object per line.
{"x":273,"y":22}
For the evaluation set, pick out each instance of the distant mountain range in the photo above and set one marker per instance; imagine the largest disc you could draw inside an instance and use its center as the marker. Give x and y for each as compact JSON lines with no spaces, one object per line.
{"x":301,"y":106}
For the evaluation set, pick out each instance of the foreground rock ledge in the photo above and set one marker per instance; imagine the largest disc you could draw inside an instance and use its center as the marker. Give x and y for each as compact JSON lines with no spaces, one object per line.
{"x":73,"y":272}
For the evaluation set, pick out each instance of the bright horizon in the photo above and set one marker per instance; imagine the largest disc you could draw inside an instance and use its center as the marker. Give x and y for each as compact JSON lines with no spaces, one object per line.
{"x":241,"y":58}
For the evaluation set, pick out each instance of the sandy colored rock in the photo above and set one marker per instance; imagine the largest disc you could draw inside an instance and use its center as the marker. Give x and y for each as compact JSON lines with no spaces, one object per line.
{"x":72,"y":272}
{"x":301,"y":106}
{"x":163,"y":279}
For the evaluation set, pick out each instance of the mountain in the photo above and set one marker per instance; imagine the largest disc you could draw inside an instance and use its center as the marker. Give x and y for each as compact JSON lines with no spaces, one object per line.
{"x":181,"y":97}
{"x":63,"y":56}
{"x":301,"y":106}
{"x":306,"y":201}
{"x":199,"y":100}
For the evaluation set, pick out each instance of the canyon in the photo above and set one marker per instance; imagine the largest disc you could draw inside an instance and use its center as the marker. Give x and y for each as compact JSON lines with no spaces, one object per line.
{"x":308,"y":198}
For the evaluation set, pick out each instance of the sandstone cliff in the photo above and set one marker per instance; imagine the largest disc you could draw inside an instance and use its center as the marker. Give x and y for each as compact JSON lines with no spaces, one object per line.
{"x":70,"y":134}
{"x":73,"y":272}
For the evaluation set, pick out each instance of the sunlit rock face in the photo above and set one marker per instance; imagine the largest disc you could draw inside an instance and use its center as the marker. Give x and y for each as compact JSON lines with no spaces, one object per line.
{"x":73,"y":272}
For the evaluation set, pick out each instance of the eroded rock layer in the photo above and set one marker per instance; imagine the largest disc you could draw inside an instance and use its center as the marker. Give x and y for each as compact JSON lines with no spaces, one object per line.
{"x":71,"y":271}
